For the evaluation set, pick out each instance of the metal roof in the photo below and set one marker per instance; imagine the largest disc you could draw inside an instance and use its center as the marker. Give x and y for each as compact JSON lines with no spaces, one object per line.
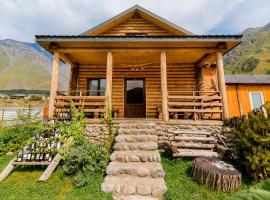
{"x":137,"y":38}
{"x":248,"y":79}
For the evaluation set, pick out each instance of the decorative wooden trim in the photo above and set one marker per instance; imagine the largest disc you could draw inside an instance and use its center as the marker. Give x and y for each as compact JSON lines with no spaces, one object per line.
{"x":54,"y":83}
{"x":221,"y":83}
{"x":164,"y":89}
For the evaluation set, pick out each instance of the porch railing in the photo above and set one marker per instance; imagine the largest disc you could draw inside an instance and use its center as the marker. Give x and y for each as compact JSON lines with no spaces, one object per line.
{"x":92,"y":106}
{"x":195,"y":104}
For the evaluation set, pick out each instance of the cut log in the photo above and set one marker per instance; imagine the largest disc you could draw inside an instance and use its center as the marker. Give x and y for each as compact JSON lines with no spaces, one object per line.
{"x":194,"y":153}
{"x":7,"y":170}
{"x":216,"y":174}
{"x":199,"y":139}
{"x":196,"y":145}
{"x":50,"y":169}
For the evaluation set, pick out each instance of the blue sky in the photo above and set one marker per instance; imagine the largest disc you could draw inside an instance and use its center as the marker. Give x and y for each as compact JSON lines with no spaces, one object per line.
{"x":22,"y":19}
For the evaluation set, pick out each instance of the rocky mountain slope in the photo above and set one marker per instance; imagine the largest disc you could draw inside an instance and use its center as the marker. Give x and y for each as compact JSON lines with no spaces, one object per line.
{"x":252,"y":56}
{"x":27,"y":66}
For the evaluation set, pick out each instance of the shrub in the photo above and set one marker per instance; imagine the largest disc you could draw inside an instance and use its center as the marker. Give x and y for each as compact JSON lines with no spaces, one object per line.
{"x":252,"y":138}
{"x":84,"y":158}
{"x":13,"y":138}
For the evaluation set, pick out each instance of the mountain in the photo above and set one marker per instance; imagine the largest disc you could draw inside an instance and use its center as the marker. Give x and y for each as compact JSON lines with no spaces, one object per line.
{"x":27,"y":66}
{"x":252,"y":56}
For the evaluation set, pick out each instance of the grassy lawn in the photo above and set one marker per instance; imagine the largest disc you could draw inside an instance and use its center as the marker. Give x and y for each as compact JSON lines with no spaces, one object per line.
{"x":23,"y":184}
{"x":180,"y":184}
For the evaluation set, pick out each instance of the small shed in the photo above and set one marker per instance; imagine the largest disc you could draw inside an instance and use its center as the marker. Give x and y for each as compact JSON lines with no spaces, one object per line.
{"x":246,"y":92}
{"x":18,"y":96}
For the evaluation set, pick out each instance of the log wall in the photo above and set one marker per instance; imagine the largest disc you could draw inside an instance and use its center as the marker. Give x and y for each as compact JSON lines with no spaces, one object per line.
{"x":180,"y":77}
{"x":135,"y":25}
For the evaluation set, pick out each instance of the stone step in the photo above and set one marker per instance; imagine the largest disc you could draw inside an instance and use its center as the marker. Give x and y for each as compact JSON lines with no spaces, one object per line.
{"x":132,"y":185}
{"x":194,"y":153}
{"x":136,"y":138}
{"x":202,"y":139}
{"x":138,"y":125}
{"x":146,"y":169}
{"x":136,"y":146}
{"x":134,"y":197}
{"x":134,"y":131}
{"x":135,"y":156}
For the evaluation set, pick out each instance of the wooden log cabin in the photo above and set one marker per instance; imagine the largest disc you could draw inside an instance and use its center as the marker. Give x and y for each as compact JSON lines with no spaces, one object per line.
{"x":139,"y":65}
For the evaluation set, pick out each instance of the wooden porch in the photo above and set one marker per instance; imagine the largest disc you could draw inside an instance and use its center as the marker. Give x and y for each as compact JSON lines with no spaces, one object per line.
{"x":172,"y":90}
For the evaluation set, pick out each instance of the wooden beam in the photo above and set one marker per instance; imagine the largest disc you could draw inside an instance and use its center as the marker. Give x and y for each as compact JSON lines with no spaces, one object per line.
{"x":65,"y":58}
{"x":207,"y":59}
{"x":164,"y":89}
{"x":109,"y":82}
{"x":54,"y":84}
{"x":8,"y":169}
{"x":137,"y":49}
{"x":238,"y":100}
{"x":221,"y":83}
{"x":50,"y":169}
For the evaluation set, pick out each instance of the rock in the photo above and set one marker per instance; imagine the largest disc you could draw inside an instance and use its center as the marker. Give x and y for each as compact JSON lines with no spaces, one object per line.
{"x":135,"y":158}
{"x":126,"y":158}
{"x":143,"y":190}
{"x":117,"y":188}
{"x":128,"y":190}
{"x":157,"y":172}
{"x":142,"y":171}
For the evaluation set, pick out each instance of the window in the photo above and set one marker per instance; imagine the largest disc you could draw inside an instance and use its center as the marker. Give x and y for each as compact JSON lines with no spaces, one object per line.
{"x":256,"y":99}
{"x":97,"y":87}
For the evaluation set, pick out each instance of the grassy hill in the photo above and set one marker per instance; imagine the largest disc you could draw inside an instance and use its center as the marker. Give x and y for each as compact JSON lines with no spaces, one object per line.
{"x":252,"y":56}
{"x":27,"y":66}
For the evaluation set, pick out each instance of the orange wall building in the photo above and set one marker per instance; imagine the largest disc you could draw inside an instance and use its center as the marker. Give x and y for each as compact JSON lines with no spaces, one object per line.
{"x":246,"y":92}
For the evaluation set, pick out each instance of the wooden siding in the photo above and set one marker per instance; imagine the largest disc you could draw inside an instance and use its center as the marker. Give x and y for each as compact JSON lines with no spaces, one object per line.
{"x":243,"y":93}
{"x":180,"y":77}
{"x":136,"y":25}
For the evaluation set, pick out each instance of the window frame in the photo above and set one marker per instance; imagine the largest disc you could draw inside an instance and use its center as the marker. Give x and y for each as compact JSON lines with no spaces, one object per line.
{"x":251,"y":101}
{"x":99,"y":83}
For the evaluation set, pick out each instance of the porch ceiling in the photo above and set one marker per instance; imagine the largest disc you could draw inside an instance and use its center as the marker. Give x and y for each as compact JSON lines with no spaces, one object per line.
{"x":91,"y":50}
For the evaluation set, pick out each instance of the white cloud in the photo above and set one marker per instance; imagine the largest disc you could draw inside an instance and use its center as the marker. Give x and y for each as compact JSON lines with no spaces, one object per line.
{"x":21,"y":20}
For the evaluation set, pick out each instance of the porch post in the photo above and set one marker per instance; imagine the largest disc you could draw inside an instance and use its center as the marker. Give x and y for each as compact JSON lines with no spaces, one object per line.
{"x":54,"y":83}
{"x":221,"y":83}
{"x":109,"y":82}
{"x":164,"y":90}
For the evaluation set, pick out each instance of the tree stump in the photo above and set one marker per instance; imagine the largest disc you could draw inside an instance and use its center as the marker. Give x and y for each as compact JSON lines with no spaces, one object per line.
{"x":216,"y":174}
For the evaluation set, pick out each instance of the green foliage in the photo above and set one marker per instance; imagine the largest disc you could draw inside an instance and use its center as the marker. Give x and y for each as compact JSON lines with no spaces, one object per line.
{"x":259,"y":192}
{"x":35,"y":98}
{"x":13,"y":138}
{"x":85,"y":158}
{"x":252,"y":137}
{"x":250,"y":64}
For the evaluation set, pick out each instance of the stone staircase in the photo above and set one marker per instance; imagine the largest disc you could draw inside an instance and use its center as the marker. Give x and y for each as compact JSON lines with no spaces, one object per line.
{"x":135,"y":171}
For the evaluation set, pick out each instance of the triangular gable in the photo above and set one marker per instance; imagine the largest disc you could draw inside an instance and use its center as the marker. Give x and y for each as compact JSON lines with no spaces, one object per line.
{"x":128,"y":22}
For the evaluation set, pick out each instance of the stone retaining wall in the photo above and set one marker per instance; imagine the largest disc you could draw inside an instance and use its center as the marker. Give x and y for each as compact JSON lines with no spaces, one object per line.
{"x":165,"y":132}
{"x":97,"y":132}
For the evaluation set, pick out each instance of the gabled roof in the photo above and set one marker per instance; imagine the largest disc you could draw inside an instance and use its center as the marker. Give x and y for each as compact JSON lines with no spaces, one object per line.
{"x":163,"y":23}
{"x":248,"y":79}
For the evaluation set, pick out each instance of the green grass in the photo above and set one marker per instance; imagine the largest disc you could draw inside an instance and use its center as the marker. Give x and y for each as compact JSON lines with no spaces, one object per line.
{"x":182,"y":187}
{"x":23,"y":184}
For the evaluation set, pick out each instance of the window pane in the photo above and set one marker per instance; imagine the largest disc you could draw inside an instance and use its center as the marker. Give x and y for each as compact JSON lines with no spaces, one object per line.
{"x":134,"y":93}
{"x":93,"y":88}
{"x":102,"y":87}
{"x":256,"y":100}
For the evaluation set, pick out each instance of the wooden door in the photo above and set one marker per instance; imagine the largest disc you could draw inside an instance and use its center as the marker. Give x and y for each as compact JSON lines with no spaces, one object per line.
{"x":134,"y":98}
